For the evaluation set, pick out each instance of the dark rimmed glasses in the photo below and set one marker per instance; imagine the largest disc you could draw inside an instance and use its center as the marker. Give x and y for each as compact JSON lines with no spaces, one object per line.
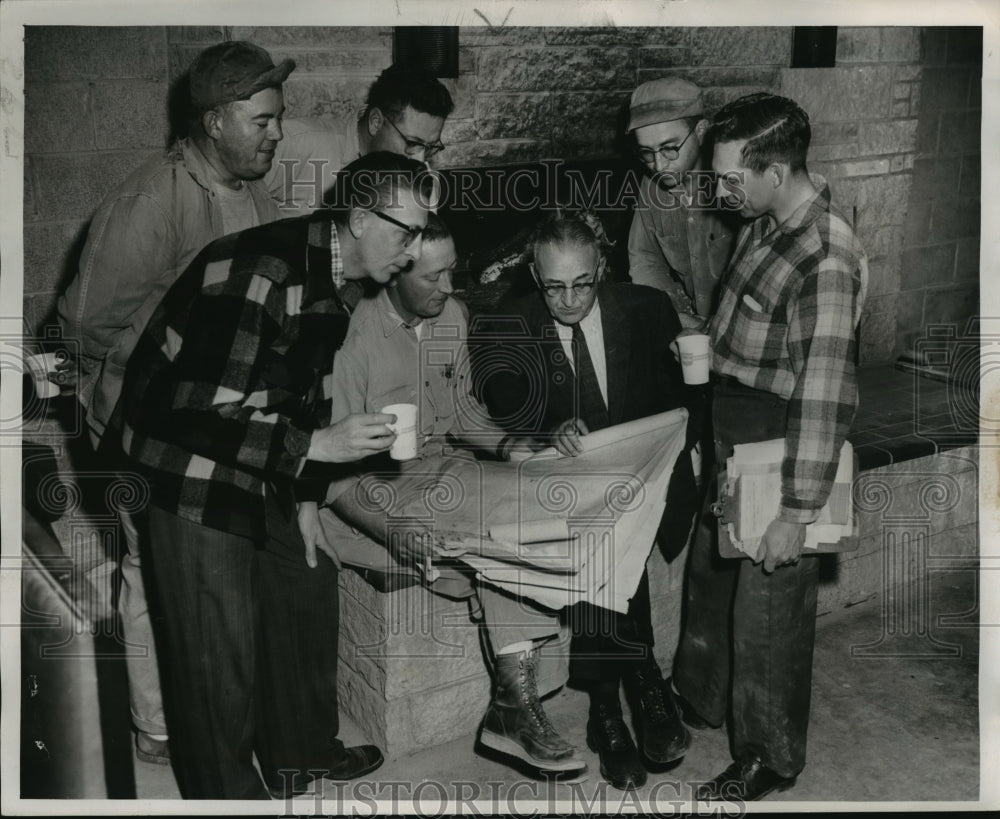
{"x":412,"y":231}
{"x":414,"y":146}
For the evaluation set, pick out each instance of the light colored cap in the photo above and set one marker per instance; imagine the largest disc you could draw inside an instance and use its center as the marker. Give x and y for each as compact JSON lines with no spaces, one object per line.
{"x":664,"y":100}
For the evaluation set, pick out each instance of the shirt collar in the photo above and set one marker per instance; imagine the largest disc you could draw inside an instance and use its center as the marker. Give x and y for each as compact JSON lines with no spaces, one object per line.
{"x":390,"y":318}
{"x":805,"y":214}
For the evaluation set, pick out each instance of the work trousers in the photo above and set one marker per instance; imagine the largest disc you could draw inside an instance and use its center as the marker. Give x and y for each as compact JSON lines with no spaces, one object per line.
{"x":746,"y":632}
{"x":251,"y":644}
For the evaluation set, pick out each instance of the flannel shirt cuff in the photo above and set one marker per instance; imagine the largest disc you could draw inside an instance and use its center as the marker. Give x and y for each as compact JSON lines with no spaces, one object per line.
{"x":790,"y":514}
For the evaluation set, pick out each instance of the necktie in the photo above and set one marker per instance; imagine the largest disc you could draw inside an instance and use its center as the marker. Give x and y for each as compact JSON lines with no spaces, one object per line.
{"x":592,"y":408}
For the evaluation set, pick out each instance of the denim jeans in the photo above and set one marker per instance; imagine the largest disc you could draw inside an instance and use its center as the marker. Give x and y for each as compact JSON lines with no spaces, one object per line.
{"x":748,"y":633}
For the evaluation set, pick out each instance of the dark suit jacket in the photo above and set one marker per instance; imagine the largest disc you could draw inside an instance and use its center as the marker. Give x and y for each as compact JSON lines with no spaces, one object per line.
{"x":522,"y":375}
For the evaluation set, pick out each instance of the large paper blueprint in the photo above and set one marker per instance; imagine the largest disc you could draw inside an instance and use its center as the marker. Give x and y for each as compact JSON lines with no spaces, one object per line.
{"x":554,"y":529}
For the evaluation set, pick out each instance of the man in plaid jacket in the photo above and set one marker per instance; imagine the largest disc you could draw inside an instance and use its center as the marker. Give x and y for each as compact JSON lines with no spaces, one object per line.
{"x":783,"y":357}
{"x":226,"y":410}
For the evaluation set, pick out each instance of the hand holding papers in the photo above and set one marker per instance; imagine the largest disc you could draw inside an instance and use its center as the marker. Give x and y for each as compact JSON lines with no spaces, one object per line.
{"x":750,"y":493}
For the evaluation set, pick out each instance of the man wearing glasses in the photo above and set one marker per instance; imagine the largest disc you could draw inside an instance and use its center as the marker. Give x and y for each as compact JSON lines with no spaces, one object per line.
{"x":404,"y":114}
{"x":226,"y":411}
{"x":680,"y":241}
{"x":583,"y":354}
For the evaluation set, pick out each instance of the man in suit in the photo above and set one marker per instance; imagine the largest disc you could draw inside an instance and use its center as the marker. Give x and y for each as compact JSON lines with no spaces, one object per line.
{"x":601,"y":353}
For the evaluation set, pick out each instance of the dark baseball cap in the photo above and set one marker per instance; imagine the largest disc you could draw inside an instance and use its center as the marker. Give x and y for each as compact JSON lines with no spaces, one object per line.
{"x":233,"y":70}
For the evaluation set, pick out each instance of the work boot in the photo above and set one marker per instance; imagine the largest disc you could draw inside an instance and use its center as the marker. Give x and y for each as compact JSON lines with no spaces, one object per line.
{"x":608,"y":735}
{"x":515,"y":723}
{"x":662,"y":735}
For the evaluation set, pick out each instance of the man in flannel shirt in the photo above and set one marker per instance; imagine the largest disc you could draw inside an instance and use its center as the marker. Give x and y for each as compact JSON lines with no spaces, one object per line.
{"x":226,"y":410}
{"x":783,"y":355}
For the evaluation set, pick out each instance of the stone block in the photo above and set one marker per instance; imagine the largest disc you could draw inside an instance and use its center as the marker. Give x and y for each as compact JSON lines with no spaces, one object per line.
{"x":715,"y":98}
{"x":834,"y":133}
{"x":862,"y":167}
{"x":71,"y":187}
{"x":840,"y":94}
{"x":363,"y":704}
{"x":900,"y":44}
{"x":911,"y":309}
{"x":368,"y":62}
{"x":497,"y":34}
{"x":881,"y":242}
{"x":180,"y":57}
{"x":663,"y":57}
{"x":967,"y":259}
{"x":321,"y":37}
{"x":58,"y":118}
{"x":962,"y":541}
{"x":458,"y":130}
{"x":951,"y":304}
{"x":856,"y":580}
{"x":927,"y":266}
{"x":878,"y":337}
{"x":917,"y":226}
{"x":463,"y":94}
{"x":130,"y":114}
{"x":588,"y":124}
{"x":756,"y":45}
{"x":207,"y":35}
{"x":935,"y":178}
{"x":945,"y":88}
{"x":883,"y":276}
{"x":513,"y":115}
{"x":893,"y":137}
{"x":901,"y":90}
{"x":435,"y":717}
{"x":495,"y":152}
{"x":908,"y":73}
{"x":616,"y":35}
{"x":858,"y":45}
{"x":960,"y":133}
{"x":927,"y":134}
{"x":954,"y":219}
{"x":76,"y":53}
{"x":882,"y":199}
{"x":827,"y":153}
{"x":897,"y":163}
{"x":933,"y":45}
{"x":51,"y":255}
{"x":899,"y":108}
{"x":309,"y":97}
{"x":556,"y":68}
{"x":965,"y":45}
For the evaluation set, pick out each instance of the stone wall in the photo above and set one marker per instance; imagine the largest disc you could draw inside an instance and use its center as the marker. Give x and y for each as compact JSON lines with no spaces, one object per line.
{"x":896,"y":127}
{"x":939,"y":280}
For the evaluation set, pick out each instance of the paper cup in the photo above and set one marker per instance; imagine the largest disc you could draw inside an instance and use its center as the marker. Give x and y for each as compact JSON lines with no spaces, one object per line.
{"x":694,"y":358}
{"x":40,"y":366}
{"x":405,"y":446}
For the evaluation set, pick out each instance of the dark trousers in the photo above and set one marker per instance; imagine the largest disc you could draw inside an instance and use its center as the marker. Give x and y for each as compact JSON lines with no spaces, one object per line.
{"x":606,"y":644}
{"x":251,"y":655}
{"x":744,"y":630}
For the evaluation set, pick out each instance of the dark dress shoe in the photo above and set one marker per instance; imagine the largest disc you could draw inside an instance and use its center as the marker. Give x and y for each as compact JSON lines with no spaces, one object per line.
{"x":662,"y":735}
{"x":608,"y":735}
{"x":744,"y":781}
{"x":357,"y":761}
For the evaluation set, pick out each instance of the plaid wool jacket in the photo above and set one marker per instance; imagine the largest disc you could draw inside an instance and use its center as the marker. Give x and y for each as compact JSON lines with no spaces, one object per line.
{"x":233,"y":374}
{"x":785,"y":325}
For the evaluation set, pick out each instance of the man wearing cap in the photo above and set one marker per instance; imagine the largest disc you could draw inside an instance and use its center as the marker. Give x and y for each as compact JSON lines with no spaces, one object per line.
{"x":142,"y":237}
{"x":404,"y":113}
{"x":680,"y":241}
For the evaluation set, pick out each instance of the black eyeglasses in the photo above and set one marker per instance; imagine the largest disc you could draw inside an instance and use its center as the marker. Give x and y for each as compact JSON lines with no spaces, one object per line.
{"x":412,"y":231}
{"x":648,"y":155}
{"x":554,"y":290}
{"x":415,"y":146}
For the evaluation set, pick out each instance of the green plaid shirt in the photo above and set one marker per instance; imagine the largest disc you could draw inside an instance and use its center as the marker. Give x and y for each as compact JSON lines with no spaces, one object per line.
{"x":233,"y":373}
{"x":785,"y":325}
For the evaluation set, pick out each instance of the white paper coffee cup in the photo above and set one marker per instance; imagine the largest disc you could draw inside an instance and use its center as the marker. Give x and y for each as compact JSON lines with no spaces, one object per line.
{"x":694,"y":353}
{"x":405,"y":446}
{"x":40,"y":366}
